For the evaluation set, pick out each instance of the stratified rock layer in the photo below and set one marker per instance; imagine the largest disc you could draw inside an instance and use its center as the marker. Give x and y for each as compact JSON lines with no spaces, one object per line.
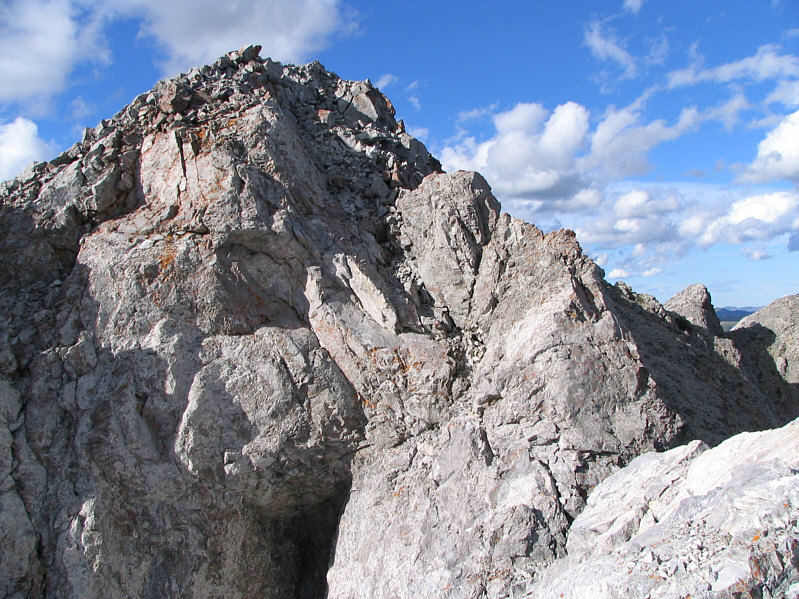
{"x":254,"y":343}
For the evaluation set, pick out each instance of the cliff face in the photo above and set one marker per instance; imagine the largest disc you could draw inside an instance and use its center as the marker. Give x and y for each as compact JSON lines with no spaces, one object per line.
{"x":253,"y":342}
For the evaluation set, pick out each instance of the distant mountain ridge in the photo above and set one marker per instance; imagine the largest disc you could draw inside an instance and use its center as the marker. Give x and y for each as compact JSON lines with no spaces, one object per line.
{"x":735,"y":313}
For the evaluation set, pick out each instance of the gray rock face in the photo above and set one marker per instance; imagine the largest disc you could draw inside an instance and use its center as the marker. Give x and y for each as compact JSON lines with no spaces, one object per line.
{"x":769,"y":339}
{"x":705,"y":378}
{"x":692,"y":521}
{"x":693,"y":303}
{"x":254,"y":343}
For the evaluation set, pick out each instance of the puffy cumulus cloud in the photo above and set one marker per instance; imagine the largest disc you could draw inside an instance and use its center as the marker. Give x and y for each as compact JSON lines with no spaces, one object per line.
{"x":754,"y":218}
{"x":777,"y":155}
{"x":641,"y":231}
{"x":544,"y":161}
{"x":531,"y":156}
{"x":609,"y":231}
{"x":523,"y":117}
{"x":639,"y":203}
{"x":558,"y":168}
{"x":767,"y":63}
{"x":40,"y":43}
{"x":544,"y":212}
{"x":193,"y":32}
{"x":565,"y":167}
{"x":20,"y":145}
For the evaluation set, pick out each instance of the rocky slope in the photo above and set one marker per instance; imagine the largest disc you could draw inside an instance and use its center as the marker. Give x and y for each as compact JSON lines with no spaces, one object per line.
{"x":253,"y":342}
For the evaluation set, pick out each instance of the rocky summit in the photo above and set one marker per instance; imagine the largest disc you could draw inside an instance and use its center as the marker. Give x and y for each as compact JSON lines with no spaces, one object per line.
{"x":255,"y":343}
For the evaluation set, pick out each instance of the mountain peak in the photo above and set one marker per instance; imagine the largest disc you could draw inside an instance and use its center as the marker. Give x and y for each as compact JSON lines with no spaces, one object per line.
{"x":256,"y":343}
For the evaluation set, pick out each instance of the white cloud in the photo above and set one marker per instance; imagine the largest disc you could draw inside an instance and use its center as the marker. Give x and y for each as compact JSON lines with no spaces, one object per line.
{"x":620,"y":144}
{"x":607,"y":230}
{"x":767,"y":63}
{"x":638,"y":203}
{"x":755,"y":218}
{"x":658,"y":51}
{"x":532,"y":154}
{"x":414,"y":100}
{"x":551,"y":165}
{"x":40,"y":42}
{"x":545,"y":161}
{"x":767,"y":208}
{"x":386,"y":80}
{"x":195,"y":32}
{"x":419,"y":132}
{"x":81,"y":109}
{"x":557,"y":168}
{"x":777,"y":155}
{"x":754,"y":254}
{"x":728,"y":113}
{"x":605,"y":47}
{"x":523,"y":117}
{"x":475,"y":113}
{"x":633,"y":6}
{"x":786,"y":93}
{"x":20,"y":145}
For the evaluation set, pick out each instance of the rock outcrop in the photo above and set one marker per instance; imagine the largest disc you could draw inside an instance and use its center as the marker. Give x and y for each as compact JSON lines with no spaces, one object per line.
{"x":769,"y":342}
{"x":694,"y":305}
{"x":690,"y":522}
{"x":253,"y":342}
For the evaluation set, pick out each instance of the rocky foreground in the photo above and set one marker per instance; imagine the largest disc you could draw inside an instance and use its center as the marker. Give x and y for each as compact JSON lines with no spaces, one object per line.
{"x":254,"y":343}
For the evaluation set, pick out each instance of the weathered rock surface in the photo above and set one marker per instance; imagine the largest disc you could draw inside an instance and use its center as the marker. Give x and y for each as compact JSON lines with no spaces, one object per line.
{"x":690,"y":522}
{"x":254,"y":343}
{"x":693,"y":303}
{"x":769,"y":339}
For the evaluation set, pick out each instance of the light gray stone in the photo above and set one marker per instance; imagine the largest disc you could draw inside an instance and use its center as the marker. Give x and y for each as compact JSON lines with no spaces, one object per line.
{"x":711,"y":523}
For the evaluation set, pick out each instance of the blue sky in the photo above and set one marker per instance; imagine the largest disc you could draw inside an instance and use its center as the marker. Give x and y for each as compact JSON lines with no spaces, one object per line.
{"x":666,"y":133}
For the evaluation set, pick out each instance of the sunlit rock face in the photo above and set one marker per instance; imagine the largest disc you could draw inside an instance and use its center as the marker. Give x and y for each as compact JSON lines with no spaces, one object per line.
{"x":254,"y":343}
{"x":692,"y":521}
